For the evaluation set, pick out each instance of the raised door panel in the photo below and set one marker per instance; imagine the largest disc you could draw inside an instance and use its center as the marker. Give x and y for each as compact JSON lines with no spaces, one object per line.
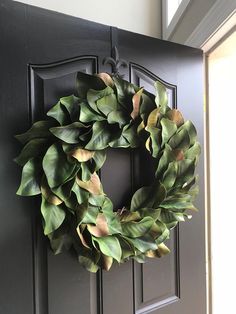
{"x":56,"y":275}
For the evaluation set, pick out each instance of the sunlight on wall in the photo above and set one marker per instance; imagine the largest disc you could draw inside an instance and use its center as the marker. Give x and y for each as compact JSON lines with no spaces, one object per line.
{"x":222,"y":130}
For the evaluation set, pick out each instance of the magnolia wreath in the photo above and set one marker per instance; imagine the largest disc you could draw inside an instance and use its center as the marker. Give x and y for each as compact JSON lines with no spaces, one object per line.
{"x":62,"y":156}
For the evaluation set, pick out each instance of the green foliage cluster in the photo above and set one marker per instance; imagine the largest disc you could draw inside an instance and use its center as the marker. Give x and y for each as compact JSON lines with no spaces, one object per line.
{"x":61,"y":158}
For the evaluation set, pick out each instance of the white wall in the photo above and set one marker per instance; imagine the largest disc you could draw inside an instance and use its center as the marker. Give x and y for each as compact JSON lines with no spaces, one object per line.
{"x":140,"y":16}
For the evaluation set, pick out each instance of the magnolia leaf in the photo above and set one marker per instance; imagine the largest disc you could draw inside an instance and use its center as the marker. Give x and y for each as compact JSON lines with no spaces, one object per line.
{"x":135,"y":229}
{"x":106,"y":262}
{"x":147,"y":106}
{"x":82,"y":239}
{"x":143,"y":244}
{"x":88,"y":115}
{"x":153,"y":117}
{"x":53,"y":216}
{"x":99,"y":158}
{"x":161,"y":96}
{"x":179,"y":154}
{"x":193,"y":152}
{"x":188,"y":125}
{"x":169,"y":128}
{"x":69,"y":133}
{"x":175,"y":116}
{"x":93,"y":185}
{"x":136,"y":99}
{"x":60,"y":240}
{"x":170,"y":175}
{"x":107,"y":104}
{"x":117,"y":116}
{"x":186,"y":170}
{"x":39,"y":129}
{"x":32,"y":149}
{"x":86,"y":171}
{"x":101,"y":136}
{"x":30,"y":179}
{"x":88,"y":263}
{"x":101,"y":229}
{"x":180,"y":140}
{"x":82,"y":155}
{"x":90,"y":216}
{"x":107,"y":79}
{"x":71,"y":103}
{"x":166,"y":158}
{"x":161,"y":251}
{"x":109,"y":246}
{"x":93,"y":96}
{"x":48,"y":194}
{"x":59,"y":113}
{"x":84,"y":82}
{"x":56,"y":166}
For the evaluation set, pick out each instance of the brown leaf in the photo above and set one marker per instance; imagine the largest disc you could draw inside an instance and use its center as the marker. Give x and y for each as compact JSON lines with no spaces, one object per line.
{"x":82,"y":154}
{"x":161,"y":251}
{"x":106,"y":262}
{"x":48,"y":194}
{"x":153,"y":117}
{"x":179,"y":154}
{"x":136,"y":104}
{"x":175,"y":116}
{"x":101,"y":229}
{"x":82,"y":239}
{"x":106,"y":79}
{"x":93,"y":185}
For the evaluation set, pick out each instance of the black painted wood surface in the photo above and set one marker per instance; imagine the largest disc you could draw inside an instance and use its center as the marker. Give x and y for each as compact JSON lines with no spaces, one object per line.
{"x":40,"y":53}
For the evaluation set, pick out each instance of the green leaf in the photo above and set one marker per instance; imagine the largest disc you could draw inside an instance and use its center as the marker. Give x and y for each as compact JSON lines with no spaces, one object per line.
{"x":105,"y":97}
{"x":101,"y":136}
{"x":84,"y":82}
{"x":59,"y":113}
{"x":186,"y":170}
{"x":32,"y":149}
{"x":170,"y":175}
{"x":88,"y":263}
{"x":161,"y":97}
{"x":180,"y":140}
{"x":193,"y":152}
{"x":60,"y":239}
{"x":166,"y":158}
{"x":71,"y":103}
{"x":31,"y":176}
{"x":169,"y":128}
{"x":56,"y":166}
{"x":125,"y":92}
{"x":99,"y":158}
{"x":135,"y":229}
{"x":39,"y":129}
{"x":53,"y":216}
{"x":109,"y":246}
{"x":147,"y":106}
{"x":107,"y":104}
{"x":88,"y":115}
{"x":188,"y":125}
{"x":148,"y":196}
{"x":69,"y":133}
{"x":155,"y":135}
{"x":143,"y":244}
{"x":117,"y":116}
{"x":91,"y":215}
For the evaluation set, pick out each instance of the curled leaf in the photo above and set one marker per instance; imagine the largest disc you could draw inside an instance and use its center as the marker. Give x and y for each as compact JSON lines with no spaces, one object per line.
{"x":93,"y":185}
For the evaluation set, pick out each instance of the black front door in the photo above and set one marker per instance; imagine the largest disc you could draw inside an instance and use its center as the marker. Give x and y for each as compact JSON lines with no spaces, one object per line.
{"x":40,"y":53}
